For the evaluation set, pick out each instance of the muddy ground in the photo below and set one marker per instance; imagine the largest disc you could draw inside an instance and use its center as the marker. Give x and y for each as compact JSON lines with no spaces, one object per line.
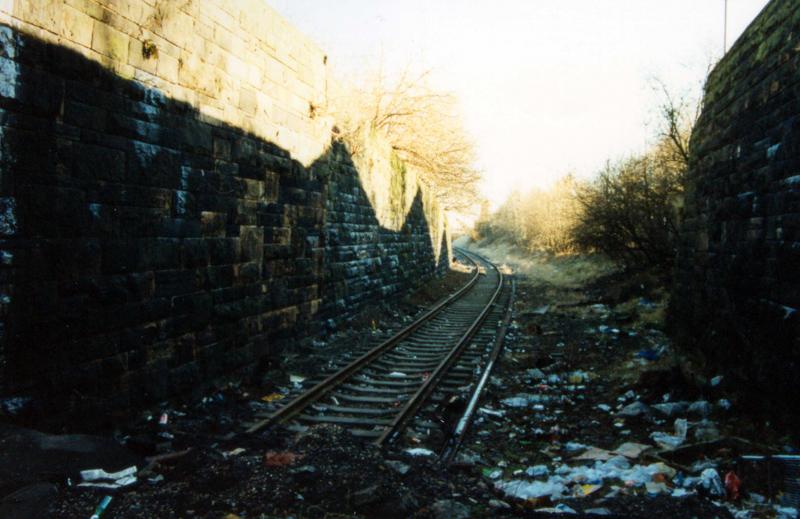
{"x":587,"y":370}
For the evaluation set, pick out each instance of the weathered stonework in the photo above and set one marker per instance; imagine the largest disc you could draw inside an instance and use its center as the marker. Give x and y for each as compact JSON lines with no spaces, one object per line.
{"x":737,"y":283}
{"x":170,"y":208}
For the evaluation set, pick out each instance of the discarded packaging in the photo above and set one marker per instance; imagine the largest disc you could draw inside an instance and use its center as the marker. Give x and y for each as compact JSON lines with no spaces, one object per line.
{"x":99,"y":478}
{"x":595,"y":453}
{"x":732,"y":483}
{"x":711,"y":482}
{"x":634,"y":409}
{"x":272,"y":397}
{"x":280,"y":459}
{"x":671,"y":408}
{"x":701,"y":408}
{"x":631,"y":449}
{"x":529,"y":489}
{"x":419,"y":451}
{"x":672,"y":441}
{"x":100,"y":508}
{"x":537,"y":470}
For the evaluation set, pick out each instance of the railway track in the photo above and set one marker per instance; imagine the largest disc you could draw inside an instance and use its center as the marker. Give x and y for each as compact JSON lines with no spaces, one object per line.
{"x":403,"y":382}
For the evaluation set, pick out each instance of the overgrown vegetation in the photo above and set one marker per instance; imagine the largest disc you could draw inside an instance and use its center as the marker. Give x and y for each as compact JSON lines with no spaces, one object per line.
{"x":630,"y":211}
{"x":423,"y":127}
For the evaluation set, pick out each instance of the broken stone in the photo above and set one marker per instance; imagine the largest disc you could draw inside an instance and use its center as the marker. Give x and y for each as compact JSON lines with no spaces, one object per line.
{"x":30,"y":501}
{"x":450,"y":509}
{"x":367,"y":496}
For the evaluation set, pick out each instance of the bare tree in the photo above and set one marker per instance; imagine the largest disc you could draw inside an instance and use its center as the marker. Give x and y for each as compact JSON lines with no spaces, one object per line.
{"x":423,"y":127}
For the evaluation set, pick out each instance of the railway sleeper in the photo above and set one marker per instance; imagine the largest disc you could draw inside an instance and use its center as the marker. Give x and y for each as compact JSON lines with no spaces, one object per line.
{"x":344,"y":420}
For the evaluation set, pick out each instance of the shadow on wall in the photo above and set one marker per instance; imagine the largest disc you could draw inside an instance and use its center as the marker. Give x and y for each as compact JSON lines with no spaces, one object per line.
{"x":147,"y":249}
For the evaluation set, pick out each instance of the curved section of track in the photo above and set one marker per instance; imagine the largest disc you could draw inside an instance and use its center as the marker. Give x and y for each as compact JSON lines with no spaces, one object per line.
{"x":378,"y":394}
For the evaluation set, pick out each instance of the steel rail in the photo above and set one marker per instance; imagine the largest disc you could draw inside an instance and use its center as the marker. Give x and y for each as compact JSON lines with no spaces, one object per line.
{"x":452,"y":446}
{"x":298,"y":404}
{"x":416,"y":401}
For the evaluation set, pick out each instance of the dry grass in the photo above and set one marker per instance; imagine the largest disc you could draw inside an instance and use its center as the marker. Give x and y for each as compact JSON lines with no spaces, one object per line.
{"x":566,"y":271}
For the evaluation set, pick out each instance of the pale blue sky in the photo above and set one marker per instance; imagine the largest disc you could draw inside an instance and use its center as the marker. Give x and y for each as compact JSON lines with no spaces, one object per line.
{"x":546,"y":87}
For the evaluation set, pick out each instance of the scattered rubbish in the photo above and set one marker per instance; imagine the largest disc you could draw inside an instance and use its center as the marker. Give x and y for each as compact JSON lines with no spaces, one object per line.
{"x":646,"y":303}
{"x":397,"y":374}
{"x":154,"y":480}
{"x":654,"y":488}
{"x":785,"y":512}
{"x":500,"y":505}
{"x":491,"y":412}
{"x":597,"y":511}
{"x":732,"y":484}
{"x":574,"y":447}
{"x":281,"y":459}
{"x":648,"y":354}
{"x":560,"y":508}
{"x":634,"y":409}
{"x":716,"y":381}
{"x":724,"y":404}
{"x":604,"y":407}
{"x":99,"y":478}
{"x":672,"y":441}
{"x":272,"y":397}
{"x":419,"y":451}
{"x":711,"y":482}
{"x":100,"y":508}
{"x":541,"y":310}
{"x":631,"y":450}
{"x":529,"y":489}
{"x":234,"y":452}
{"x":705,"y":431}
{"x":595,"y":453}
{"x":524,"y":400}
{"x":398,"y":466}
{"x":296,"y":379}
{"x":492,"y":473}
{"x":578,"y":377}
{"x":15,"y":405}
{"x":589,"y":489}
{"x":671,"y":408}
{"x":701,"y":408}
{"x":537,"y":470}
{"x":535,"y":374}
{"x":163,"y":420}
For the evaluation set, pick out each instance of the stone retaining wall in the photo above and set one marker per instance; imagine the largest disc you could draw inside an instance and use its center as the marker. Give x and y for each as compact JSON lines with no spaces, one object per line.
{"x":737,"y":288}
{"x":172,"y":204}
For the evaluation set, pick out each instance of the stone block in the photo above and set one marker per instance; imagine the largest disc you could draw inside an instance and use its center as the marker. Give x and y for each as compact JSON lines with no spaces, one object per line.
{"x":110,"y":42}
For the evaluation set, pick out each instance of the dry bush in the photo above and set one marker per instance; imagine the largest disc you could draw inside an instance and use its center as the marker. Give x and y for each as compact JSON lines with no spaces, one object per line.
{"x":541,"y":220}
{"x":631,"y":212}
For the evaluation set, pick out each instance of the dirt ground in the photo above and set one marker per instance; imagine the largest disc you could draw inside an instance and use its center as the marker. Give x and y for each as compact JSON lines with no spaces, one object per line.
{"x":574,"y":421}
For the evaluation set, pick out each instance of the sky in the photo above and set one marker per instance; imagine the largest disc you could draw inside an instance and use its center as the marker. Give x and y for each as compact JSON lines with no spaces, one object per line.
{"x":546,"y":87}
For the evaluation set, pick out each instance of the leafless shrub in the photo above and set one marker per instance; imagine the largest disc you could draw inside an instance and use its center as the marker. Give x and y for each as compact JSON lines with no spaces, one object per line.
{"x":423,"y":127}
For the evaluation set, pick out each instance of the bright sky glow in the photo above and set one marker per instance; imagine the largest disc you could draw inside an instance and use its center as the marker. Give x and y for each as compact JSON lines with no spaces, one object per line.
{"x":546,"y":87}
